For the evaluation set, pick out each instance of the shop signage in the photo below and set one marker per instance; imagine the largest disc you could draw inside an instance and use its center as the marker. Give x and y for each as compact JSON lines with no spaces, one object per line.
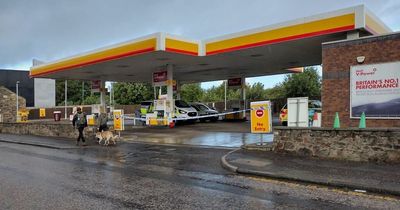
{"x":96,"y":86}
{"x":235,"y":82}
{"x":375,"y":90}
{"x":160,"y":78}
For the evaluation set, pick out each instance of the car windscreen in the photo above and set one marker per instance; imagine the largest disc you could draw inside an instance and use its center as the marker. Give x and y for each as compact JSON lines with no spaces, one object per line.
{"x":147,"y":103}
{"x":202,"y":107}
{"x":195,"y":107}
{"x":180,"y":103}
{"x":315,"y":104}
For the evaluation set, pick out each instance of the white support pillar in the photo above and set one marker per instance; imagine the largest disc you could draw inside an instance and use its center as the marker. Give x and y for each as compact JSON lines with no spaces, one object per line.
{"x":103,"y":94}
{"x":17,"y":92}
{"x":243,"y":93}
{"x":170,"y":86}
{"x":226,"y":81}
{"x":111,"y":88}
{"x":65,"y":99}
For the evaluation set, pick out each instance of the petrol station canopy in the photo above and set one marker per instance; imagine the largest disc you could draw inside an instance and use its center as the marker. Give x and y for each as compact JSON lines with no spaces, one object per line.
{"x":275,"y":49}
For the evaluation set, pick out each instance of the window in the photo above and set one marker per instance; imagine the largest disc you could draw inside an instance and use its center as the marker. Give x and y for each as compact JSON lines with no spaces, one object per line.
{"x":180,"y":103}
{"x":202,"y":107}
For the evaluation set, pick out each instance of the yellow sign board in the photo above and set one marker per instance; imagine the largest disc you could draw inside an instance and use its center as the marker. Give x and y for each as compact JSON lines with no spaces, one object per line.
{"x":118,"y":120}
{"x":42,"y":113}
{"x":23,"y":115}
{"x":90,"y":120}
{"x":261,"y":117}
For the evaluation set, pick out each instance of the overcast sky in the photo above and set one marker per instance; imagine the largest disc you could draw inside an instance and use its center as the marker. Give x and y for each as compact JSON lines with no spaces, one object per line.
{"x":53,"y":29}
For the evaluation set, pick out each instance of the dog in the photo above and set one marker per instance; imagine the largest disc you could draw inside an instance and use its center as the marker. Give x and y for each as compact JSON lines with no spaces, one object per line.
{"x":106,"y":136}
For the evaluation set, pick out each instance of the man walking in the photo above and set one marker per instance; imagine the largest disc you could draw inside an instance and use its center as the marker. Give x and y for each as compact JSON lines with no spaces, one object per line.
{"x":80,"y":123}
{"x":102,"y":121}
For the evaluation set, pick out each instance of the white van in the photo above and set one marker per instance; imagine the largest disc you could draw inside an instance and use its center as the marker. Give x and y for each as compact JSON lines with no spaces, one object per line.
{"x":184,"y":110}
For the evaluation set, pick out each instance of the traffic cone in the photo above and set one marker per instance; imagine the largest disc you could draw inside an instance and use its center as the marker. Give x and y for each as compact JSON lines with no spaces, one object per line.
{"x":336,"y":123}
{"x":363,"y":123}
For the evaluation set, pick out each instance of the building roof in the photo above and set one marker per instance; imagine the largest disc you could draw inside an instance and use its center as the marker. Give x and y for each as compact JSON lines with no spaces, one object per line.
{"x":275,"y":49}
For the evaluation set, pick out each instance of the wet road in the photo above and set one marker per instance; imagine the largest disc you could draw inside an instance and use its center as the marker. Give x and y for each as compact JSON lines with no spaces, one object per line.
{"x":142,"y":176}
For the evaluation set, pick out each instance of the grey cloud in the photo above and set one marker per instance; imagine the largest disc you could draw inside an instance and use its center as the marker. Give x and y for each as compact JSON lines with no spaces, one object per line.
{"x":48,"y":29}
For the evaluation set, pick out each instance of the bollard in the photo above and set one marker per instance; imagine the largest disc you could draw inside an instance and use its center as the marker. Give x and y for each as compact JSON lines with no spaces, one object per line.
{"x":171,"y":124}
{"x":336,"y":123}
{"x":363,"y":123}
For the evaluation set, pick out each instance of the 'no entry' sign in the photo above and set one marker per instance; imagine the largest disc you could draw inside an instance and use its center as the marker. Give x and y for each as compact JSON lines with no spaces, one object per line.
{"x":261,"y":117}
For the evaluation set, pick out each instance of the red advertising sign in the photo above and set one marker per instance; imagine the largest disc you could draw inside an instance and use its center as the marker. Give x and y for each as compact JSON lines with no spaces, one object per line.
{"x":235,"y":82}
{"x":96,"y":84}
{"x":160,"y":76}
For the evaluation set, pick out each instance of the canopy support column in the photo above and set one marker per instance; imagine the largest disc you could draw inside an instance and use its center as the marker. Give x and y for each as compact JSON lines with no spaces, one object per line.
{"x":170,"y":89}
{"x":170,"y":85}
{"x":178,"y":90}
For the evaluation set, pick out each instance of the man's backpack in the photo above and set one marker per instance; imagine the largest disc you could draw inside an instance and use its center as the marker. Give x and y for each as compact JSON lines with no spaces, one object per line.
{"x":81,"y":120}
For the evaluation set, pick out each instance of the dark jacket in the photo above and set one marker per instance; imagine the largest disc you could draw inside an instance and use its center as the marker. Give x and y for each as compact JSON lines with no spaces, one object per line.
{"x":79,"y":120}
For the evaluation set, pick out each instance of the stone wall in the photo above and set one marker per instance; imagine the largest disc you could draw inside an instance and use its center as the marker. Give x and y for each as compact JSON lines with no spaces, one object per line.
{"x":8,"y":104}
{"x":379,"y":144}
{"x":337,"y":57}
{"x":52,"y":129}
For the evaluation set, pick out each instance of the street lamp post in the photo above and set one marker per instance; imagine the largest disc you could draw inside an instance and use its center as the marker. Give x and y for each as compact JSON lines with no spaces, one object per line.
{"x":16,"y":87}
{"x":83,"y":92}
{"x":226,"y":81}
{"x":111,"y":87}
{"x":65,"y":99}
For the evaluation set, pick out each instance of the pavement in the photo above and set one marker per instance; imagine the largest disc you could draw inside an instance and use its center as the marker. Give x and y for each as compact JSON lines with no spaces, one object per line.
{"x":359,"y":176}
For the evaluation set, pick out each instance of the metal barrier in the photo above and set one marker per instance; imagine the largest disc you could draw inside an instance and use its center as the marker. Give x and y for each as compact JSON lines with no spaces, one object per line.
{"x":132,"y":117}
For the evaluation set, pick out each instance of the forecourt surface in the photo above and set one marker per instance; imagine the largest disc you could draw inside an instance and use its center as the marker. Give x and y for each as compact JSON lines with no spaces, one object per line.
{"x":275,"y":49}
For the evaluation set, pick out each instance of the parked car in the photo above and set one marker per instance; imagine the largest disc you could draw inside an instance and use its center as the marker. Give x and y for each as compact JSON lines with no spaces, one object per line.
{"x":184,"y":110}
{"x":204,"y":110}
{"x":313,"y":106}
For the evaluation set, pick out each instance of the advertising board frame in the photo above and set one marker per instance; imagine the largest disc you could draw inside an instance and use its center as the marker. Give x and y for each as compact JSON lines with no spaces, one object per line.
{"x":351,"y":92}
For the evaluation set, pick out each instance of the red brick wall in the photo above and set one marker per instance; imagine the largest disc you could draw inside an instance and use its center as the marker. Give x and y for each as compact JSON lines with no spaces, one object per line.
{"x":336,"y":61}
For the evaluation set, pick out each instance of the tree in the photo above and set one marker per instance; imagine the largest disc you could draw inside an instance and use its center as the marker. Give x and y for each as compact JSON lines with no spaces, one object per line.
{"x":129,"y":93}
{"x":74,"y":93}
{"x":277,"y":92}
{"x":191,"y":92}
{"x":215,"y":94}
{"x":93,"y":99}
{"x":255,"y":92}
{"x":306,"y":84}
